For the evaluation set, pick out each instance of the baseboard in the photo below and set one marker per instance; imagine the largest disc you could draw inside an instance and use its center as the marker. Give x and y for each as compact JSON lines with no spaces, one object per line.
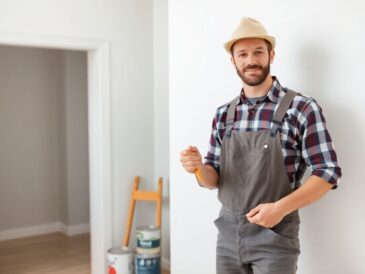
{"x":30,"y":231}
{"x":165,"y":263}
{"x":72,"y":230}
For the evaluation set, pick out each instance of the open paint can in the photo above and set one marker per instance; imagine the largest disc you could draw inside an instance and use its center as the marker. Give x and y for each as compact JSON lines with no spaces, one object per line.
{"x":120,"y":260}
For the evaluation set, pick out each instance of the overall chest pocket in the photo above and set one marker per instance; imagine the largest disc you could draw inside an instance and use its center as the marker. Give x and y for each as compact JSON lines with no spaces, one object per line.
{"x":251,"y":163}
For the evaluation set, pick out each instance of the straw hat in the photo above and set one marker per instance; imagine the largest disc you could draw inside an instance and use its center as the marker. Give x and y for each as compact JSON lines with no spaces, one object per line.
{"x":249,"y":28}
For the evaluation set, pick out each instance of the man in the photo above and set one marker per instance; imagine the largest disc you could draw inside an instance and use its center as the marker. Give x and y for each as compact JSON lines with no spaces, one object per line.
{"x":260,"y":146}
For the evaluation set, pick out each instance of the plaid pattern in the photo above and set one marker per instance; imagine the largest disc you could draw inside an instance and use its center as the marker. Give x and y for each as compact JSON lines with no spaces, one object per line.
{"x":305,"y":139}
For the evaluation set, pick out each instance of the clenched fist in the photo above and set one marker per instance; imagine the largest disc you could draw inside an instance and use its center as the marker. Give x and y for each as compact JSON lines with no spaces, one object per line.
{"x":191,"y":159}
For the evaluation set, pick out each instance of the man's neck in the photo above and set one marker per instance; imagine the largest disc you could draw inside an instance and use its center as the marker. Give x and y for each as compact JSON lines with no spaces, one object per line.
{"x":260,"y":90}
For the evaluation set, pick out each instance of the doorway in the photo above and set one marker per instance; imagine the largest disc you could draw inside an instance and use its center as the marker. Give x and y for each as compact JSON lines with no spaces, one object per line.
{"x":99,"y":127}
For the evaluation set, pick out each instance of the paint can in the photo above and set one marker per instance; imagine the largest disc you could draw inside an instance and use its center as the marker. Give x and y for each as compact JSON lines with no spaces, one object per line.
{"x":148,"y":264}
{"x":148,"y":239}
{"x":120,"y":260}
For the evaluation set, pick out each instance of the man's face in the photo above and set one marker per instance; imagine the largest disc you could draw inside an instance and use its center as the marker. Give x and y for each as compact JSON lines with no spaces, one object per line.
{"x":252,"y":60}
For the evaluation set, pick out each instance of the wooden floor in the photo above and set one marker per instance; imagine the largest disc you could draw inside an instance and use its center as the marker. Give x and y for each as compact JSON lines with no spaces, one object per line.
{"x":52,"y":253}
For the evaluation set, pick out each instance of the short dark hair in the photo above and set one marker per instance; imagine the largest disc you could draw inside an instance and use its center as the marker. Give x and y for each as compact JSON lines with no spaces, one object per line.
{"x":268,"y":44}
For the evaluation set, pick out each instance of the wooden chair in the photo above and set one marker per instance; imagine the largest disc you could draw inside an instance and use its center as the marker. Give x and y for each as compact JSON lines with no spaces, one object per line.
{"x":143,"y":196}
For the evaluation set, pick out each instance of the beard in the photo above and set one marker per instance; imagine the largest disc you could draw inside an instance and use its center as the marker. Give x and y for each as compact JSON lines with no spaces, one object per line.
{"x":254,"y":80}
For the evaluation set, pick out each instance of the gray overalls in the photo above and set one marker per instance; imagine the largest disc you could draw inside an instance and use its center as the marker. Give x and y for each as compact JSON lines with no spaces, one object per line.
{"x":252,"y":172}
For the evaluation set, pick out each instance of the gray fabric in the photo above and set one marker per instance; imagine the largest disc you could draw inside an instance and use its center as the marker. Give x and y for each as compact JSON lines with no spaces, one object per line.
{"x":280,"y":113}
{"x":284,"y":105}
{"x":230,"y":115}
{"x":244,"y":248}
{"x":252,"y":172}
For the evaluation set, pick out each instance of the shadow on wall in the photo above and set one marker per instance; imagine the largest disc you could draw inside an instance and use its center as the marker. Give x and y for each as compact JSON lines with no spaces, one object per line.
{"x":330,"y":232}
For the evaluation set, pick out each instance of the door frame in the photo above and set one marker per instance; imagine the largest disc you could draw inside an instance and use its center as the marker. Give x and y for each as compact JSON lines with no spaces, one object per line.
{"x":99,"y":124}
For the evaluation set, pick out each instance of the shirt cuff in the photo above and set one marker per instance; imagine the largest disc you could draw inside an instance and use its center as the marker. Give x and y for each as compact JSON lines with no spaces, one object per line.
{"x":329,"y":175}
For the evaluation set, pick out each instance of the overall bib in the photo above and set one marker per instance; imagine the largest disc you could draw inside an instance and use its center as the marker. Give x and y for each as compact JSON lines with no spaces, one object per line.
{"x":252,"y":172}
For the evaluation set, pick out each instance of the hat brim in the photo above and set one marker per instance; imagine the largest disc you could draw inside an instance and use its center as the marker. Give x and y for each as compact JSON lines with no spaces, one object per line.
{"x":228,"y":45}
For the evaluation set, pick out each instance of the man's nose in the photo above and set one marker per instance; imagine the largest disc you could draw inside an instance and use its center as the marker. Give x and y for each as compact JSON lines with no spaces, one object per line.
{"x":251,"y":60}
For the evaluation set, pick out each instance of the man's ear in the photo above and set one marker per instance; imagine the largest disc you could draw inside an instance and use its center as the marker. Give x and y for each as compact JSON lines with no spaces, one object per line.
{"x":272,"y":56}
{"x":232,"y":61}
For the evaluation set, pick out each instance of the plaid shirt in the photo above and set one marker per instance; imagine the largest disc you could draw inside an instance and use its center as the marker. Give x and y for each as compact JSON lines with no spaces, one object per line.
{"x":305,"y":140}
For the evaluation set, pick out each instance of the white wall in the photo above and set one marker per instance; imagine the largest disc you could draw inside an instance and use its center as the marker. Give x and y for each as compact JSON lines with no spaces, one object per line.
{"x":128,"y":25}
{"x":319,"y":53}
{"x":161,"y":114}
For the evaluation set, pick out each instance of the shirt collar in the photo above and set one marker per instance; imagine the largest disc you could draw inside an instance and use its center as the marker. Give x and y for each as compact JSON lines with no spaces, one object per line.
{"x":273,"y":94}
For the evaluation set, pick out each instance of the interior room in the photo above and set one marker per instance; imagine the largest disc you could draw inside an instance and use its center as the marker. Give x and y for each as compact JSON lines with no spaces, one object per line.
{"x":119,"y":147}
{"x":95,"y":93}
{"x":44,"y":161}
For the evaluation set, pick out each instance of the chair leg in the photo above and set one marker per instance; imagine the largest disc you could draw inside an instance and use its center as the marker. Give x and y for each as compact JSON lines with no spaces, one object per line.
{"x":132,"y":204}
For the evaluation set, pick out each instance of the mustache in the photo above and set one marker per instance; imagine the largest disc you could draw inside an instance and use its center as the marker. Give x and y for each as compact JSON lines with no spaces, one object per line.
{"x":252,"y":67}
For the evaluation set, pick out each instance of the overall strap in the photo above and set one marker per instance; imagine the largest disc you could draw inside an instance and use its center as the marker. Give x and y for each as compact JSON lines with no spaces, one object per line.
{"x":230,"y":116}
{"x":280,"y":112}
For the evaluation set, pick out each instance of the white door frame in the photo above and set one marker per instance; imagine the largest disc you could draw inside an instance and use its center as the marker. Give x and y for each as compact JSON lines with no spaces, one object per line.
{"x":99,"y":108}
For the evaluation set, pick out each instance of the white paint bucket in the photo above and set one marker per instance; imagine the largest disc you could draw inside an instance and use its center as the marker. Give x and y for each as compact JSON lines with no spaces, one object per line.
{"x":148,"y":264}
{"x":120,"y":260}
{"x":148,"y":239}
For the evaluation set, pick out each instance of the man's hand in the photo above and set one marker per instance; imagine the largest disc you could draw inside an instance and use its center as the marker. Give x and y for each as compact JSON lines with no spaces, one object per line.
{"x":206,"y":175}
{"x":266,"y":215}
{"x":269,"y":215}
{"x":191,"y":159}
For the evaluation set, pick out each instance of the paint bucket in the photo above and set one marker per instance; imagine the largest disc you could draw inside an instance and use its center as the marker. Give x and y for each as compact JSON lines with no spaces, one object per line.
{"x":147,"y":264}
{"x":148,"y":239}
{"x":120,"y":260}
